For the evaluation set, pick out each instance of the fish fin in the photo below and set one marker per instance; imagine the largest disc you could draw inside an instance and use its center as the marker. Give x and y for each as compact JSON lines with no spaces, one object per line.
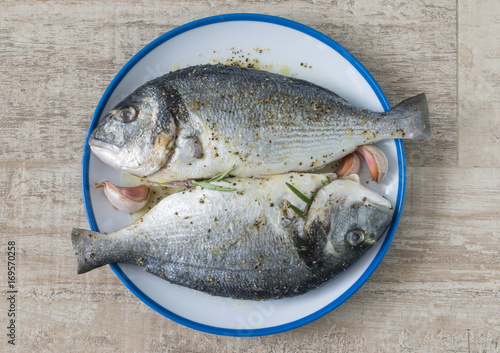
{"x":413,"y":117}
{"x":83,"y":244}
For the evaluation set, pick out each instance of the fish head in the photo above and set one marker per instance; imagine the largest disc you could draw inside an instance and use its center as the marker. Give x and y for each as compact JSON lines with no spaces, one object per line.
{"x":138,"y":134}
{"x":351,"y":217}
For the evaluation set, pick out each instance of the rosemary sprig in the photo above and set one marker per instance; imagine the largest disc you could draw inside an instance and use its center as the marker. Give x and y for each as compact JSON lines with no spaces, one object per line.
{"x":298,"y":211}
{"x":221,"y":175}
{"x":207,"y":184}
{"x":327,"y":181}
{"x":299,"y":194}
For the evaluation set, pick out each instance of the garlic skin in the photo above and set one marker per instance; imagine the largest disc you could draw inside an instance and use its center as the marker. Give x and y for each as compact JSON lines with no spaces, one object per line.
{"x":376,"y":161}
{"x":350,"y":164}
{"x":125,"y":199}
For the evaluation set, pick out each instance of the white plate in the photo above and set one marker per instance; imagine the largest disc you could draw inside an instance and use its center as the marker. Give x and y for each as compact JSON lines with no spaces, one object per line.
{"x":277,"y":45}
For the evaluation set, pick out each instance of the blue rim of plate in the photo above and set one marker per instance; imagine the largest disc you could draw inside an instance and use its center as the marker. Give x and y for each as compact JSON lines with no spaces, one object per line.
{"x":365,"y":74}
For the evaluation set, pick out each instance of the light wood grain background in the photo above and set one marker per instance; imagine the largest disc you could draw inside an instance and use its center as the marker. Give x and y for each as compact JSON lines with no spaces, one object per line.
{"x":438,"y":287}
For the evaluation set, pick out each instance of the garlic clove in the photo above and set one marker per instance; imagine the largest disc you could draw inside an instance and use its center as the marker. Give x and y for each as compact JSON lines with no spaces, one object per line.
{"x":375,"y":160}
{"x":125,"y":199}
{"x":353,"y":177}
{"x":350,"y":164}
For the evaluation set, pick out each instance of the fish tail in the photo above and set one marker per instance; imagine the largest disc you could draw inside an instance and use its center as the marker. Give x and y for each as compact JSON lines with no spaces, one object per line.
{"x":86,"y":252}
{"x":412,"y":118}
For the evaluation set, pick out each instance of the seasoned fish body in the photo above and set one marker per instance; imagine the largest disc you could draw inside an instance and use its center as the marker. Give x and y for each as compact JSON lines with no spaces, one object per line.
{"x":198,"y":122}
{"x":247,"y":244}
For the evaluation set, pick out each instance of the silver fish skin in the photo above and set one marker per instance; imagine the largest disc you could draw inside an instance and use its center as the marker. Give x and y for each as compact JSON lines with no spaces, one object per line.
{"x":247,"y":244}
{"x":197,"y":122}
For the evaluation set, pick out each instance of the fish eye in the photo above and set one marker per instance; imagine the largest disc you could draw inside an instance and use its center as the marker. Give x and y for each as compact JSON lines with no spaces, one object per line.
{"x":125,"y":114}
{"x":355,"y":237}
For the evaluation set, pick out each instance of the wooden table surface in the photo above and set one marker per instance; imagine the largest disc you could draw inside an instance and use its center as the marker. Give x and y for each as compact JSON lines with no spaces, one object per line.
{"x":436,"y":290}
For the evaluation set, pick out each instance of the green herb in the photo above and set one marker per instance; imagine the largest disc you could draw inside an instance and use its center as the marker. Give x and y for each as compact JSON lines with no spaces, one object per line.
{"x":327,"y":181}
{"x":221,"y":175}
{"x":298,"y":211}
{"x":299,"y":194}
{"x":207,"y":184}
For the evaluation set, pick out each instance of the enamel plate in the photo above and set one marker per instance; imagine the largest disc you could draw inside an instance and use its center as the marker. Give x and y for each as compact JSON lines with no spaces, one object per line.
{"x":267,"y":43}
